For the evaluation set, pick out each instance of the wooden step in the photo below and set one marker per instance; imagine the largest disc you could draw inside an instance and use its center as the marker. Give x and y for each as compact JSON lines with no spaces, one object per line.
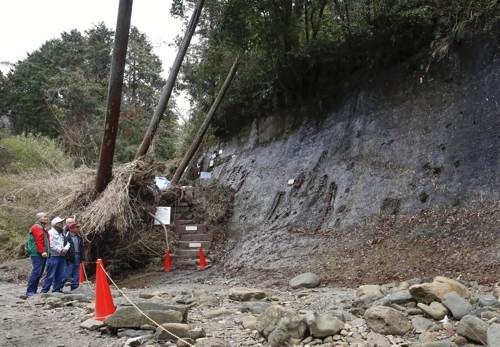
{"x":181,"y":209}
{"x":194,"y":244}
{"x":196,"y":237}
{"x":188,"y":253}
{"x":183,"y":216}
{"x":191,"y":229}
{"x":183,"y":221}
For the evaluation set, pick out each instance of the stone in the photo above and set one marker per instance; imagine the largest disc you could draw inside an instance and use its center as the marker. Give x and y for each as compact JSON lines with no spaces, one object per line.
{"x":421,"y":324}
{"x":429,"y":292}
{"x":436,"y":310}
{"x":496,"y":292}
{"x":379,"y":340}
{"x":305,"y":280}
{"x":91,"y":324}
{"x":473,"y":329}
{"x":414,"y":312}
{"x":172,"y":331}
{"x":487,"y":315}
{"x":457,"y":305}
{"x":323,"y":325}
{"x":493,"y":335}
{"x":488,"y":301}
{"x":442,"y":343}
{"x":211,"y":342}
{"x":460,"y":341}
{"x":371,"y":288}
{"x":344,"y":316}
{"x":386,"y":320}
{"x":401,"y":297}
{"x":281,"y":326}
{"x":217,"y":313}
{"x":366,"y":301}
{"x":245,"y":294}
{"x":130,"y":317}
{"x":207,"y":300}
{"x":137,"y":341}
{"x":249,"y":322}
{"x":256,"y":307}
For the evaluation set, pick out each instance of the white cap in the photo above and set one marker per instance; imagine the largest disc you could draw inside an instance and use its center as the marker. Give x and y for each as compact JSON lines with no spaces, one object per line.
{"x":57,"y":220}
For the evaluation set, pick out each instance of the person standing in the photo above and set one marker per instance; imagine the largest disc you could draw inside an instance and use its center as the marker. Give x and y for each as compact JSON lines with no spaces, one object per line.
{"x":75,"y":254}
{"x":39,"y":251}
{"x":57,"y":262}
{"x":67,"y":268}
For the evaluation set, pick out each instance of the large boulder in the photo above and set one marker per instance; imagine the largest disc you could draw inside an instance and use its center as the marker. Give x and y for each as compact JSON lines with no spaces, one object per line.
{"x":323,"y":325}
{"x":281,"y":326}
{"x":386,"y":320}
{"x":429,"y":292}
{"x":457,"y":305}
{"x":473,"y":329}
{"x":305,"y":280}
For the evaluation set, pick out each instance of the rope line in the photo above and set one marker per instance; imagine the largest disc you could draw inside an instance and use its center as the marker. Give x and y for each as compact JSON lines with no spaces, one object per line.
{"x":86,"y":279}
{"x":138,"y":309}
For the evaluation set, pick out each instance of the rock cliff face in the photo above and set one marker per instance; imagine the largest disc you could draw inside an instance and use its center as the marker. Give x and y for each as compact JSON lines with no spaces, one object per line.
{"x":393,"y":146}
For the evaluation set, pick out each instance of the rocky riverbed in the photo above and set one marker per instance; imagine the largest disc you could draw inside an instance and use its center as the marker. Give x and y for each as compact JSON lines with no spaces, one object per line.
{"x":205,"y":308}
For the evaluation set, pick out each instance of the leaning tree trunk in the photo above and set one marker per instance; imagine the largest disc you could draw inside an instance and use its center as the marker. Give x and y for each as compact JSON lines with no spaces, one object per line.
{"x":169,"y":85}
{"x":197,"y":141}
{"x":105,"y":169}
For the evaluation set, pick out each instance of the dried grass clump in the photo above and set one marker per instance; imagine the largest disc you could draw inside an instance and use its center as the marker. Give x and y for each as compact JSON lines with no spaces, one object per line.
{"x":117,"y":225}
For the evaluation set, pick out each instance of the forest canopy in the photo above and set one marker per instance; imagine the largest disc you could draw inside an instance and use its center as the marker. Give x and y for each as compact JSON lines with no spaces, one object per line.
{"x":60,"y":91}
{"x":297,"y":54}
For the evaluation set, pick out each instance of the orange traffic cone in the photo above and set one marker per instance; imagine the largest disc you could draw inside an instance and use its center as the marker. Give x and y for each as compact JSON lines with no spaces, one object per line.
{"x":203,"y":263}
{"x":167,"y":261}
{"x":104,"y":305}
{"x":82,"y":274}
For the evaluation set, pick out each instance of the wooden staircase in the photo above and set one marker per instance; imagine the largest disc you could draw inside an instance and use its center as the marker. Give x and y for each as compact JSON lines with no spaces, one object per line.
{"x":191,"y":237}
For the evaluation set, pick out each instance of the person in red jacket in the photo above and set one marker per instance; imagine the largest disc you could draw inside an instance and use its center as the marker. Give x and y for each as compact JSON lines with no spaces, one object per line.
{"x":39,"y":251}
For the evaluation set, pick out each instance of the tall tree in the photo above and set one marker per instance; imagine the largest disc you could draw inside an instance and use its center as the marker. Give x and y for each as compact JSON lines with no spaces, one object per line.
{"x":105,"y":168}
{"x":60,"y":91}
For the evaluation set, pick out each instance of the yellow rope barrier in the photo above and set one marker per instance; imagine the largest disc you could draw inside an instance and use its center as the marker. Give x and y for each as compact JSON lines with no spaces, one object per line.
{"x":138,"y":309}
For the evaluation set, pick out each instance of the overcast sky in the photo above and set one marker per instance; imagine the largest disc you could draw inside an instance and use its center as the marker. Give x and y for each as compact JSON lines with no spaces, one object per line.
{"x":26,"y":24}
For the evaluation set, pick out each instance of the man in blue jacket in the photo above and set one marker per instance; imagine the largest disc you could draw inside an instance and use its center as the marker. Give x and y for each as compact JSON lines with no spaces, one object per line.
{"x":75,"y":254}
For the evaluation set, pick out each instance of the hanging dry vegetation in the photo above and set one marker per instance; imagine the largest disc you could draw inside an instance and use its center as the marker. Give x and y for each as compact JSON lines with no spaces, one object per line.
{"x":118,"y":225}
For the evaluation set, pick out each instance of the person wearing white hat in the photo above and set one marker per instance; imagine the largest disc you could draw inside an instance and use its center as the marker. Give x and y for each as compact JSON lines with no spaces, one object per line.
{"x":57,"y":261}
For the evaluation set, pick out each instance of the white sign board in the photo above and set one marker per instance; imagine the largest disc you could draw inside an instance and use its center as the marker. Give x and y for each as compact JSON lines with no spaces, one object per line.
{"x":195,"y":244}
{"x":163,"y":214}
{"x":192,"y":227}
{"x":205,"y":175}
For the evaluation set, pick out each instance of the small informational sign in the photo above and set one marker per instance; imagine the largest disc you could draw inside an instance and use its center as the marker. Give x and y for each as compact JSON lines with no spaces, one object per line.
{"x":211,"y":163}
{"x":192,"y":227}
{"x":291,"y":181}
{"x":195,"y":244}
{"x":220,"y":151}
{"x":205,"y":175}
{"x":163,"y":214}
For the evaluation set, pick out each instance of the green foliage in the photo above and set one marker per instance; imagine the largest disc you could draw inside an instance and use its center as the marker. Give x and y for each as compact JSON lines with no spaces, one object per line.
{"x":35,"y":153}
{"x":29,"y":184}
{"x":60,"y":91}
{"x":297,"y":54}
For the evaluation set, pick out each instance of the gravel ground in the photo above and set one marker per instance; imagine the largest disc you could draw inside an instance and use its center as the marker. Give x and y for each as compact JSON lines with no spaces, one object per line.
{"x":29,"y":322}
